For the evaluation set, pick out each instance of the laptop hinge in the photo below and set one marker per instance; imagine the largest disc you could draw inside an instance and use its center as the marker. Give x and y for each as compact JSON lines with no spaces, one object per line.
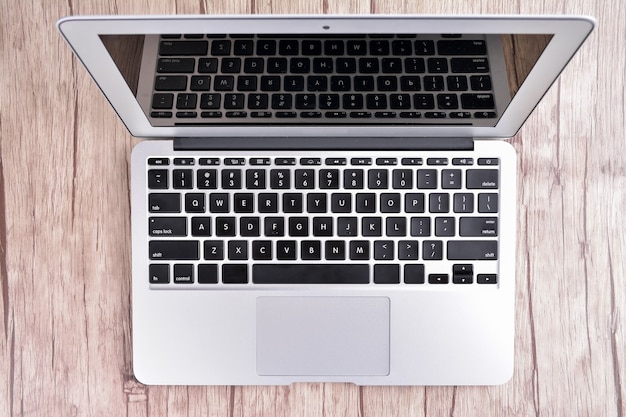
{"x":324,"y":143}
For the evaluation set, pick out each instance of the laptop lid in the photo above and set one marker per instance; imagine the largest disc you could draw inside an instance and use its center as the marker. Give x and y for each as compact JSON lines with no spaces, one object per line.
{"x":530,"y":53}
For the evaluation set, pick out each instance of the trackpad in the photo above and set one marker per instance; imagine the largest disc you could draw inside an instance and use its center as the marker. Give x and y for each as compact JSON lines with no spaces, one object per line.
{"x":318,"y":336}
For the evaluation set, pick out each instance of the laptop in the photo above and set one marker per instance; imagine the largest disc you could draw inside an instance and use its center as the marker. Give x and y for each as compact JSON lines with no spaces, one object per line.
{"x":324,"y":198}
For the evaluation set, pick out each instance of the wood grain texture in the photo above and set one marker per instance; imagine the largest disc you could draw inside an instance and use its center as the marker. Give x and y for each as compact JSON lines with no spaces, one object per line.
{"x":65,"y":347}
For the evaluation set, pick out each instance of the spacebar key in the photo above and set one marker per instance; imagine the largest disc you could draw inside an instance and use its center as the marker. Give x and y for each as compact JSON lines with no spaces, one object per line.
{"x":310,"y":274}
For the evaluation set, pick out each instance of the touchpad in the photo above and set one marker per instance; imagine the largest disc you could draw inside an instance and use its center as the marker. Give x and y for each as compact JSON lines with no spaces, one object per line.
{"x":318,"y":336}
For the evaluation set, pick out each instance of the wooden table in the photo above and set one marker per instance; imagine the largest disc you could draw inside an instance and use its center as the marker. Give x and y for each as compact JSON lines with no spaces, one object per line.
{"x":65,"y":346}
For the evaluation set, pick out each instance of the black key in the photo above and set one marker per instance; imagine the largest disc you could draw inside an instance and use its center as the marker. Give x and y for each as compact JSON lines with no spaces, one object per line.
{"x":322,"y":65}
{"x":207,"y":178}
{"x":280,"y":178}
{"x":207,"y":65}
{"x":444,"y":226}
{"x":347,"y":226}
{"x":277,"y":65}
{"x":396,"y":226}
{"x":300,"y":65}
{"x":225,"y":226}
{"x":167,"y":226}
{"x":437,"y":65}
{"x":316,"y":203}
{"x":194,"y":202}
{"x":183,"y":48}
{"x":329,"y":101}
{"x":363,"y":83}
{"x":298,"y":226}
{"x":262,"y":250}
{"x":392,"y":66}
{"x":243,"y":202}
{"x":478,"y":226}
{"x":274,"y":226}
{"x":376,"y":101}
{"x":413,"y":273}
{"x":231,"y":179}
{"x":282,"y":101}
{"x":335,"y":250}
{"x":462,"y":47}
{"x":359,"y":250}
{"x":357,"y":48}
{"x":249,"y":226}
{"x":210,"y":101}
{"x":218,"y":203}
{"x":457,"y":82}
{"x":170,"y":83}
{"x":200,"y":83}
{"x":463,"y":203}
{"x":480,"y":82}
{"x":353,"y":101}
{"x":333,"y":47}
{"x":311,"y":47}
{"x":168,"y":250}
{"x":482,"y":178}
{"x":310,"y":274}
{"x":353,"y":178}
{"x":487,"y":203}
{"x":317,"y":83}
{"x":465,"y":65}
{"x":433,"y":83}
{"x":266,"y":47}
{"x":414,"y":66}
{"x":341,"y":203}
{"x":253,"y":65}
{"x":438,"y":278}
{"x":424,"y":47}
{"x":451,"y":178}
{"x":368,"y":66}
{"x":288,"y":47}
{"x":377,"y":179}
{"x":462,"y":273}
{"x":365,"y":203}
{"x":414,"y":203}
{"x":424,"y":101}
{"x":286,"y":250}
{"x":487,"y":279}
{"x":387,"y":274}
{"x":243,"y":47}
{"x":214,"y":250}
{"x":305,"y":101}
{"x":329,"y":179}
{"x":310,"y":250}
{"x":408,"y":250}
{"x":164,"y":203}
{"x":176,"y":65}
{"x":488,"y":161}
{"x":163,"y":101}
{"x":238,"y":250}
{"x":234,"y":274}
{"x":292,"y":203}
{"x":439,"y":203}
{"x":390,"y":203}
{"x":224,"y":83}
{"x":371,"y":226}
{"x":183,"y":274}
{"x":384,"y":250}
{"x":322,"y":226}
{"x":432,"y":250}
{"x":427,"y":178}
{"x":200,"y":226}
{"x":305,"y":178}
{"x":447,"y":101}
{"x":420,"y":226}
{"x":268,"y":203}
{"x":231,"y":65}
{"x":186,"y":114}
{"x":473,"y":250}
{"x":477,"y":101}
{"x":207,"y":274}
{"x":220,"y":47}
{"x":157,"y":178}
{"x":346,"y":65}
{"x":402,"y":179}
{"x":159,"y":274}
{"x":247,"y":83}
{"x":401,"y":47}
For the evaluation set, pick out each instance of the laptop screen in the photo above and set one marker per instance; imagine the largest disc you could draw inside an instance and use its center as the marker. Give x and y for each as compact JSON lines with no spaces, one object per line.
{"x":348,"y":79}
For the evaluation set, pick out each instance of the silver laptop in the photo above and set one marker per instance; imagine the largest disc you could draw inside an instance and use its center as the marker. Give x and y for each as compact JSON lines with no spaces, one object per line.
{"x":323,"y":198}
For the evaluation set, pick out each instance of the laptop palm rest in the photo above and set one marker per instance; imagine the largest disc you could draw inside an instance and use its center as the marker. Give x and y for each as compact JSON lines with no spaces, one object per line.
{"x":317,"y":336}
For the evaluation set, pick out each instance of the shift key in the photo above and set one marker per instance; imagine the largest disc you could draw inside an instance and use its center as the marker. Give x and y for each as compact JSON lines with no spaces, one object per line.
{"x":171,"y":250}
{"x":472,"y":250}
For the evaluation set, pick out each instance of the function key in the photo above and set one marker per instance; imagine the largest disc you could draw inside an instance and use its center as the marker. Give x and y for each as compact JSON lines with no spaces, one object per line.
{"x":437,"y":161}
{"x":259,"y":161}
{"x":209,"y":161}
{"x":310,"y":161}
{"x":336,"y":161}
{"x":184,"y":161}
{"x":488,"y":161}
{"x":462,"y":161}
{"x":234,"y":161}
{"x":158,"y":161}
{"x":412,"y":161}
{"x":386,"y":161}
{"x":361,"y":161}
{"x":285,"y":161}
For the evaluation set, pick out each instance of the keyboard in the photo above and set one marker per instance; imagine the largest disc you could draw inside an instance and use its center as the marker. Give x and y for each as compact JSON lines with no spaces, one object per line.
{"x":367,"y":79}
{"x":412,"y":218}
